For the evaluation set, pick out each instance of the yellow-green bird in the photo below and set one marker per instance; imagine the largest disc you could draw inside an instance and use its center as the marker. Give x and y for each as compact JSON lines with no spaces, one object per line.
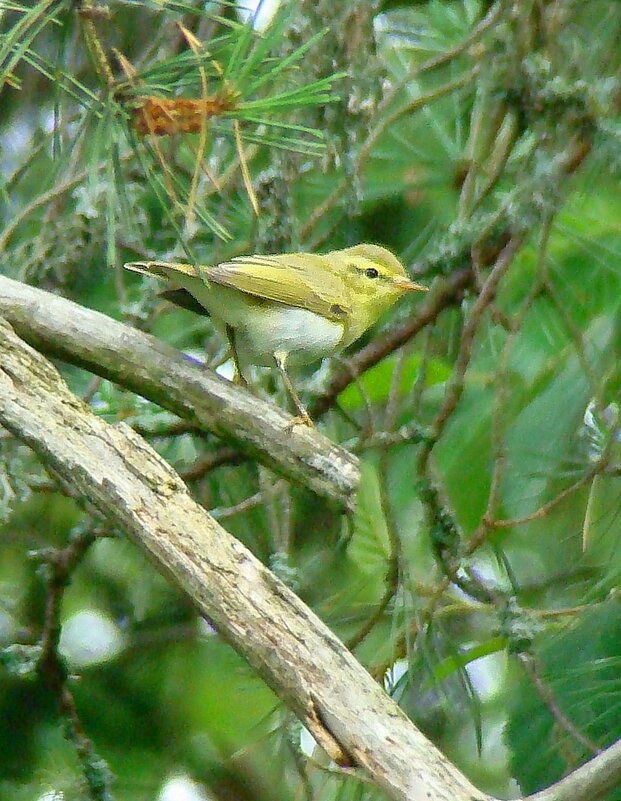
{"x":290,"y":308}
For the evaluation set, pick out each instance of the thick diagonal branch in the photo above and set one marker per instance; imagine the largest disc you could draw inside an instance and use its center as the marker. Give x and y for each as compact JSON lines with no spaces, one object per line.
{"x":151,"y":368}
{"x":120,"y":475}
{"x":115,"y":470}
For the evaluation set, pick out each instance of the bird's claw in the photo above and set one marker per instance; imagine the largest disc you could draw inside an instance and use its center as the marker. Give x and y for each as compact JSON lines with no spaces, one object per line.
{"x":302,"y":419}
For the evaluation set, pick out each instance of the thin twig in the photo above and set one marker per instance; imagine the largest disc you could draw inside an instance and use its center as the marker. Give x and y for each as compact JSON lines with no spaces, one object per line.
{"x":176,"y":428}
{"x":488,"y":292}
{"x":395,"y":560}
{"x":51,"y":667}
{"x":384,"y":123}
{"x":543,"y":510}
{"x":391,"y":579}
{"x":222,"y":456}
{"x":224,"y":512}
{"x":576,"y":336}
{"x":446,"y":542}
{"x":544,"y":691}
{"x":441,"y":59}
{"x":502,"y":392}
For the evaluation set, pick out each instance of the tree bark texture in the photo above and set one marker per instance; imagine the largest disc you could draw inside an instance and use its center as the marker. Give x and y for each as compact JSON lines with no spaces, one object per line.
{"x":145,"y":365}
{"x":119,"y":474}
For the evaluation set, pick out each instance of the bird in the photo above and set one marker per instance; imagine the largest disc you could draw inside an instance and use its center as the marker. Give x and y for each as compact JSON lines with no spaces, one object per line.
{"x":289,"y":308}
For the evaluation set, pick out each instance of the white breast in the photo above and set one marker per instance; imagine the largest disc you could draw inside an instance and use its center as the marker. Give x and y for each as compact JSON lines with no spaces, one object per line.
{"x":305,"y":336}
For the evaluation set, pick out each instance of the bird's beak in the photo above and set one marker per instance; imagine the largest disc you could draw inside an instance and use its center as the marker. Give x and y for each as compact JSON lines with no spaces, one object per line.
{"x":408,"y":286}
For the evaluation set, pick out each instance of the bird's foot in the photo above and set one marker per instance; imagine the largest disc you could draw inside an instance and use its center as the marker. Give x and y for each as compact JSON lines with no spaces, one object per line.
{"x":302,"y":419}
{"x":239,"y":380}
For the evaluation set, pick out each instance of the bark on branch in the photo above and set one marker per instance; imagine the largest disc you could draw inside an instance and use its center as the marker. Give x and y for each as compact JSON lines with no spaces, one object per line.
{"x":149,"y":367}
{"x":353,"y":719}
{"x":297,"y":655}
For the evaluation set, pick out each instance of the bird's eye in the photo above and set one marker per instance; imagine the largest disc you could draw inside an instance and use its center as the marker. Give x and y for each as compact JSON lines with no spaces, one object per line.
{"x":371,"y":272}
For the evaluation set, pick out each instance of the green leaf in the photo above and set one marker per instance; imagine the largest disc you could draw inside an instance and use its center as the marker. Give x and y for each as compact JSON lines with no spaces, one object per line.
{"x":580,"y":667}
{"x":602,"y":522}
{"x":369,"y":546}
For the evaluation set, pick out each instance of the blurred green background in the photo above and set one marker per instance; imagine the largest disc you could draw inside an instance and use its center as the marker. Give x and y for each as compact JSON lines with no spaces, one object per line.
{"x":479,"y":581}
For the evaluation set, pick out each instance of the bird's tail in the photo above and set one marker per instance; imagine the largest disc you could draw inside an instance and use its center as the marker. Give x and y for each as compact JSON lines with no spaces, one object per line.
{"x":162,"y":269}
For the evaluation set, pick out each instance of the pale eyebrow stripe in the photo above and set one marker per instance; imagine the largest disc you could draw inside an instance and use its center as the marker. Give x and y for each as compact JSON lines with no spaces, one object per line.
{"x":265,"y":261}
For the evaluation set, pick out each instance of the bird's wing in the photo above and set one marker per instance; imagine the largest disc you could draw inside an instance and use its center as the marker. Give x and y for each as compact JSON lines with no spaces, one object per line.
{"x":294,"y":279}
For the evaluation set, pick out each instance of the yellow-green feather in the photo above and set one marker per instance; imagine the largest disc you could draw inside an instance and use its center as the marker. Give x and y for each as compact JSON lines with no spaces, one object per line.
{"x":335,"y":285}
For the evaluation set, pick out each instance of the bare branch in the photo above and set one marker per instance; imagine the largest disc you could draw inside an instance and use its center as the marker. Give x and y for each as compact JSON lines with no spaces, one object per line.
{"x":588,"y":782}
{"x":60,"y":563}
{"x":299,"y":657}
{"x":471,"y":326}
{"x":545,"y":692}
{"x":156,"y":371}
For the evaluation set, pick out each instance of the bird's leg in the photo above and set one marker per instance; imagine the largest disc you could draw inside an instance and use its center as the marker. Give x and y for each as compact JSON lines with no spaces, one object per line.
{"x":238,"y":378}
{"x":303,"y":416}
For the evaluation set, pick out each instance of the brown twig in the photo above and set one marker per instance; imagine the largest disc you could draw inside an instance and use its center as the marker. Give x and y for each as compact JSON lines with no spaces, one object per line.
{"x":471,"y":326}
{"x":396,"y":563}
{"x":576,"y":336}
{"x":200,"y":468}
{"x":409,"y":433}
{"x":224,"y":512}
{"x":391,"y":580}
{"x":543,"y":510}
{"x":445,"y":539}
{"x":365,"y":151}
{"x":176,"y":428}
{"x":60,"y":564}
{"x":544,"y":691}
{"x":502,"y":392}
{"x":416,"y":625}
